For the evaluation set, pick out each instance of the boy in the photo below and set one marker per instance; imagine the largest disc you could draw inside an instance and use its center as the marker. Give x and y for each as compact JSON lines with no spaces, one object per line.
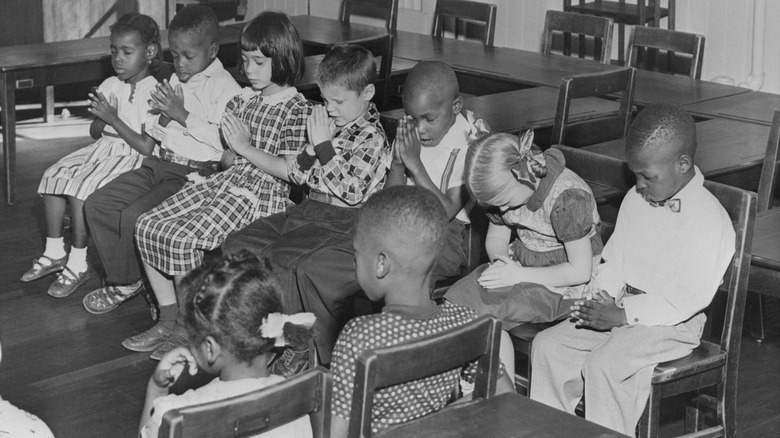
{"x":435,"y":161}
{"x":190,"y":108}
{"x":345,"y":163}
{"x":672,"y":244}
{"x":398,"y":237}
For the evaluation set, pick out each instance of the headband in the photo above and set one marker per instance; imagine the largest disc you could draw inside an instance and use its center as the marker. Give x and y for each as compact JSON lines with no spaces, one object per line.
{"x":273,"y":325}
{"x":478,"y":128}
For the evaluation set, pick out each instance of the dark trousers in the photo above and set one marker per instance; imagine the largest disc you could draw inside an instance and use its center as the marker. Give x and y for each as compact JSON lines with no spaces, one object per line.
{"x":113,"y":210}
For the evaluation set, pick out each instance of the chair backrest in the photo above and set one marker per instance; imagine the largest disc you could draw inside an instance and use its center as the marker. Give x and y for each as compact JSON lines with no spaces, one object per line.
{"x":224,"y":9}
{"x":258,"y":411}
{"x":469,"y":12}
{"x":422,"y":358}
{"x":384,"y":9}
{"x":646,"y":44}
{"x":599,"y":29}
{"x":741,"y":207}
{"x":769,"y":171}
{"x":594,"y":85}
{"x":382,"y":48}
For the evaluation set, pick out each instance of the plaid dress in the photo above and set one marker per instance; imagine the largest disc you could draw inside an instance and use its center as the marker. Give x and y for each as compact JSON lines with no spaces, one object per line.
{"x":82,"y":172}
{"x":173,"y":236}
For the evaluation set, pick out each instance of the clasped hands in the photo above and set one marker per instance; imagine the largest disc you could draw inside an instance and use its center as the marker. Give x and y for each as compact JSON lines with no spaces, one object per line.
{"x":406,"y":147}
{"x":172,"y":365}
{"x":102,"y":108}
{"x":169,"y":102}
{"x":601,"y":312}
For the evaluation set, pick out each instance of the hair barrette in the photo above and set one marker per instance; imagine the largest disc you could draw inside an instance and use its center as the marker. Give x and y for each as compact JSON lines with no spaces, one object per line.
{"x":273,"y":325}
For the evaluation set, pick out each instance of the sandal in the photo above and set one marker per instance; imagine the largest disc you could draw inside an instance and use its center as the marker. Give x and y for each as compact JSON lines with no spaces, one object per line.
{"x":107,"y":298}
{"x":39,"y":270}
{"x":67,"y":282}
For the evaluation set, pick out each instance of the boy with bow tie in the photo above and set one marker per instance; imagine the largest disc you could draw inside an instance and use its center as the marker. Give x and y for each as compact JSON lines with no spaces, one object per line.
{"x":672,"y":244}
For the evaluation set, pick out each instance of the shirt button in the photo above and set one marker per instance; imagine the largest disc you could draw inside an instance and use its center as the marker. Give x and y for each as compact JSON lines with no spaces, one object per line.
{"x":636,"y":319}
{"x":187,"y":133}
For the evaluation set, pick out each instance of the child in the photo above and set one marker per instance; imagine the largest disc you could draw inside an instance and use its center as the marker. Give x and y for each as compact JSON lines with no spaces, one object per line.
{"x":431,"y":99}
{"x":671,"y":246}
{"x":233,"y":316}
{"x":266,"y":120}
{"x":121,"y":109}
{"x":398,"y":237}
{"x":558,"y":244}
{"x":342,"y":166}
{"x":190,"y":107}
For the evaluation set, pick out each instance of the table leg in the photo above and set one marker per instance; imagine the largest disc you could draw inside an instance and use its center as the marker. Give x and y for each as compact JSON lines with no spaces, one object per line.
{"x":47,"y":103}
{"x":8,"y":104}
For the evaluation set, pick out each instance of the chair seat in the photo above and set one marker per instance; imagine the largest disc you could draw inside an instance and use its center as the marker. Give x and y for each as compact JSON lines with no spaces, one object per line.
{"x":704,"y":357}
{"x":621,"y":12}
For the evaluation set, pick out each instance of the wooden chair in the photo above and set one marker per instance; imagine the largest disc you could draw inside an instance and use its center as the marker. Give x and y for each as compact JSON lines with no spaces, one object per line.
{"x":594,"y":85}
{"x":646,"y":43}
{"x":766,"y":195}
{"x":465,"y":12}
{"x":258,"y":411}
{"x":586,"y":26}
{"x":385,"y":9}
{"x":640,"y":13}
{"x":422,"y":358}
{"x":225,"y":9}
{"x":710,"y":371}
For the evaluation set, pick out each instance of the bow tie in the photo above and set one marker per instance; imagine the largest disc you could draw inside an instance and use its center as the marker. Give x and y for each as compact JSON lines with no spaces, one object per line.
{"x":672,"y":205}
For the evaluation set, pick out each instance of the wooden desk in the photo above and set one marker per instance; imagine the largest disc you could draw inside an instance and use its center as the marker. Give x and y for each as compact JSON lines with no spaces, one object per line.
{"x":529,"y":108}
{"x":725,"y":147}
{"x":653,"y":87}
{"x":753,"y":107}
{"x":505,"y":415}
{"x":765,"y":263}
{"x":57,"y":63}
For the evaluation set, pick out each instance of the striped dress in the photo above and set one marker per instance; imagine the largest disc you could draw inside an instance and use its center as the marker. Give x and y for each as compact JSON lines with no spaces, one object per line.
{"x":82,"y":172}
{"x":173,"y":236}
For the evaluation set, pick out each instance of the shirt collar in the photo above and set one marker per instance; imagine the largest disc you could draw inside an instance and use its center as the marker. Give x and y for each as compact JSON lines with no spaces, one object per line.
{"x":369,"y":117}
{"x":282,"y":96}
{"x":213,"y":68}
{"x":413,"y":312}
{"x":457,"y":133}
{"x":555,"y":165}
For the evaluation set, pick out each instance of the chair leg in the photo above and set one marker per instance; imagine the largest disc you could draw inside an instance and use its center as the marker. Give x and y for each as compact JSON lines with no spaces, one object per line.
{"x":649,"y":423}
{"x":756,"y":316}
{"x":47,"y":103}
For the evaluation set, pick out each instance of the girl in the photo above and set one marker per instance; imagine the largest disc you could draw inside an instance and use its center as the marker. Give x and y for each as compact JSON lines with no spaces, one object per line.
{"x":558,"y":244}
{"x":121,"y":106}
{"x":233,"y":317}
{"x":261,"y":125}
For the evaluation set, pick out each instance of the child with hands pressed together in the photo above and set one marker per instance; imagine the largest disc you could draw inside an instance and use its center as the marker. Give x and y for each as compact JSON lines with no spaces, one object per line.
{"x":121,"y":109}
{"x":267,"y":119}
{"x":190,"y":108}
{"x":344,"y":162}
{"x":234,"y":316}
{"x":558,"y":245}
{"x":672,"y":244}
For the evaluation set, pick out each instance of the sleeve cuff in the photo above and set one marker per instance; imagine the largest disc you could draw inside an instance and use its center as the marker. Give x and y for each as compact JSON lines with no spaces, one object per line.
{"x":305,"y":161}
{"x":324,"y":151}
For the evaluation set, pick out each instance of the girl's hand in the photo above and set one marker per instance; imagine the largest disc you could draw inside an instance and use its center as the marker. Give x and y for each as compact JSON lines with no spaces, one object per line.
{"x":501,"y":273}
{"x":318,"y":126}
{"x":408,"y":145}
{"x":236,"y":134}
{"x":101,"y":108}
{"x":171,"y":366}
{"x":168,"y":101}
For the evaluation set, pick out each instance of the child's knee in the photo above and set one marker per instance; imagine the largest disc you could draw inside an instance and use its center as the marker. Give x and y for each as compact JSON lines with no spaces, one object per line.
{"x":600,"y":363}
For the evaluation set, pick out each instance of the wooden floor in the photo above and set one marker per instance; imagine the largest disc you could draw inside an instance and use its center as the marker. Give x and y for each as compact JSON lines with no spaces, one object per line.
{"x":69,"y":368}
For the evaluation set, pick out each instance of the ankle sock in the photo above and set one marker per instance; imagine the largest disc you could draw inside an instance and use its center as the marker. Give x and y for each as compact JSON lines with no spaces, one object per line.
{"x":129,"y":288}
{"x":168,"y":316}
{"x":55,"y":249}
{"x":77,"y":260}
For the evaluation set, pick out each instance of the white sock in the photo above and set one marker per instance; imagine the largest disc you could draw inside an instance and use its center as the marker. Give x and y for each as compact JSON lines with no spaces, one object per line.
{"x":77,"y":260}
{"x":55,"y":249}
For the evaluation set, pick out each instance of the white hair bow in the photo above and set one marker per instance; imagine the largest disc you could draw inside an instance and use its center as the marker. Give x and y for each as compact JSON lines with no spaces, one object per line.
{"x":273,"y":325}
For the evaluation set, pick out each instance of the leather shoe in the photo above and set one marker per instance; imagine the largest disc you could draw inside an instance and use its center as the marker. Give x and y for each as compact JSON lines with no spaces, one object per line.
{"x":67,"y":282}
{"x":148,"y":340}
{"x":39,"y":270}
{"x":177,"y":338}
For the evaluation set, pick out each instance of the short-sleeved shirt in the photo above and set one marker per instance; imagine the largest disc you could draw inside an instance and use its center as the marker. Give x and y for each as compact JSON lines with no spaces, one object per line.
{"x":407,"y":401}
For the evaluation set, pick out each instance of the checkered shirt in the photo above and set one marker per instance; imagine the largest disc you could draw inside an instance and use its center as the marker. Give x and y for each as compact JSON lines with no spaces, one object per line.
{"x":407,"y":401}
{"x":173,"y":236}
{"x":359,"y":167}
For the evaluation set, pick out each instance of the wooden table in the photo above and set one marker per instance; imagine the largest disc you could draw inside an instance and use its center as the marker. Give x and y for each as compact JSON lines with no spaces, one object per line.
{"x":753,"y":107}
{"x":529,"y":108}
{"x":725,"y":147}
{"x":57,"y":63}
{"x":505,"y":415}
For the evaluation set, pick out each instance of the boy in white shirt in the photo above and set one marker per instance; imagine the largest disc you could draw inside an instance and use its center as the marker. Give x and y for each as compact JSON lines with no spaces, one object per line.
{"x":672,"y":244}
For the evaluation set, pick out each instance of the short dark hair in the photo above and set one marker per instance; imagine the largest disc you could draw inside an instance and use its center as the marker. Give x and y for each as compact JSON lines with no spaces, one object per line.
{"x":662,"y":128}
{"x":228,"y":298}
{"x":347,"y":65}
{"x":273,"y":34}
{"x":410,"y":216}
{"x":196,"y":18}
{"x":146,"y":28}
{"x":432,"y":76}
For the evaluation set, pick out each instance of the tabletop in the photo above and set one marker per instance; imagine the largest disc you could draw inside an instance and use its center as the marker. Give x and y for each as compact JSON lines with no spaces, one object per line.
{"x":505,"y":415}
{"x":724,"y":147}
{"x":766,"y":240}
{"x":754,"y":107}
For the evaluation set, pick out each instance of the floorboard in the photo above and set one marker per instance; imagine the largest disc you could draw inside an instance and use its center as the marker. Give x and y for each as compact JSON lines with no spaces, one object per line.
{"x":69,"y":368}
